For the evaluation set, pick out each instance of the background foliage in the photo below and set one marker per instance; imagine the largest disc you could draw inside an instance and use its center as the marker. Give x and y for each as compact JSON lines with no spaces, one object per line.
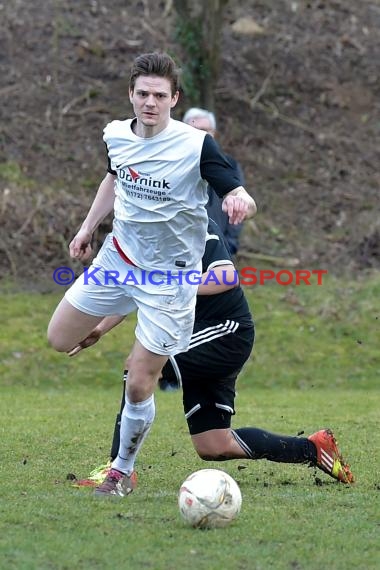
{"x":297,"y":100}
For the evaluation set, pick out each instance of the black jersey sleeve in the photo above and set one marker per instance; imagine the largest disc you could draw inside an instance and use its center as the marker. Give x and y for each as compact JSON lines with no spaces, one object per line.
{"x":216,"y":251}
{"x":217,"y":169}
{"x":239,"y":170}
{"x":109,"y":167}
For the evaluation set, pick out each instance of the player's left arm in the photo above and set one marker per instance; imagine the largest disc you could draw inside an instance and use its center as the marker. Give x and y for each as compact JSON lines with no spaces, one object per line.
{"x":226,"y":181}
{"x":238,"y":205}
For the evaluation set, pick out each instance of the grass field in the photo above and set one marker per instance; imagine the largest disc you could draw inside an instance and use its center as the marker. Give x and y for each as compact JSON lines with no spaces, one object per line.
{"x":316,"y":363}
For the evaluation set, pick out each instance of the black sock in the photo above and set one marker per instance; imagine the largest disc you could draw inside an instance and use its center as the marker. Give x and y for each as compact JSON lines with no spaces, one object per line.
{"x":261,"y":444}
{"x":116,"y":431}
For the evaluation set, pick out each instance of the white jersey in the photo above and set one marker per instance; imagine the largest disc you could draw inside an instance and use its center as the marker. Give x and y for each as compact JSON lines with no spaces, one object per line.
{"x":160,"y":220}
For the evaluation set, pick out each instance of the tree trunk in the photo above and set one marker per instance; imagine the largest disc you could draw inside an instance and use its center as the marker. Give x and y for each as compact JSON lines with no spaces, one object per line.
{"x":198,"y":31}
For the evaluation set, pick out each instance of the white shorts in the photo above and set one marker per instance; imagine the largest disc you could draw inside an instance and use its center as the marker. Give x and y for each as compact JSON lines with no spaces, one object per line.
{"x":165,"y":306}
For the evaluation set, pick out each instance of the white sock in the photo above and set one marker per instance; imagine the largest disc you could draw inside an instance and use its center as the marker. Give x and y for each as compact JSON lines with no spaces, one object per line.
{"x":136,"y":421}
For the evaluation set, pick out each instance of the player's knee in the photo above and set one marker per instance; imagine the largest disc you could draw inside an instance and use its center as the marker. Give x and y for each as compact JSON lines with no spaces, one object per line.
{"x":142,"y":377}
{"x":209,"y":451}
{"x":56,"y":341}
{"x":139,"y":386}
{"x":137,"y":393}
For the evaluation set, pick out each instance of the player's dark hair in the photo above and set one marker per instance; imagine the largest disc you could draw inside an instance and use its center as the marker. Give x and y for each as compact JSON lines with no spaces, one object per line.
{"x":155,"y":63}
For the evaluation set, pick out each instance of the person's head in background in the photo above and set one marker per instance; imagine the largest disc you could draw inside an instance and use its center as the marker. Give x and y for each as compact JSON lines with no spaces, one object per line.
{"x":201,"y":119}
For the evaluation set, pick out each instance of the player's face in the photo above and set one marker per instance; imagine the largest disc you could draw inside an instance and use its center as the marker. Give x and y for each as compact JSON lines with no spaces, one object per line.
{"x":152,"y":102}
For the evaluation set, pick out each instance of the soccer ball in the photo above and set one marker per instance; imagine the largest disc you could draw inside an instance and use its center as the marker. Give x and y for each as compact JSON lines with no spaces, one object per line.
{"x":209,"y":498}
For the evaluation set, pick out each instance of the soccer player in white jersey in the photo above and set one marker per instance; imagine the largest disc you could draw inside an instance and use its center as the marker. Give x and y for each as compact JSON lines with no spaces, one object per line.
{"x":156,"y":185}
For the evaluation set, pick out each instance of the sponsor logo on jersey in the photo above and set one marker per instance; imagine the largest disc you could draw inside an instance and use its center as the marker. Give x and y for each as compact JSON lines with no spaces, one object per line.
{"x":130,"y":175}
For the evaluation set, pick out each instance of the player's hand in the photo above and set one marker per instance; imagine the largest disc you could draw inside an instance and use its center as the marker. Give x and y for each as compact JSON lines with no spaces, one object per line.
{"x":237,"y":208}
{"x":91,"y":339}
{"x":80,"y":247}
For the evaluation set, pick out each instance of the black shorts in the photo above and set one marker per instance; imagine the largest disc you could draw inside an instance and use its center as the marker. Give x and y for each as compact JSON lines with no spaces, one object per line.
{"x":208,"y":372}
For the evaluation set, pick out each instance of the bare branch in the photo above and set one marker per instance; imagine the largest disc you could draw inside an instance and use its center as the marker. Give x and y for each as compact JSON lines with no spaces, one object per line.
{"x":29,"y":218}
{"x":261,"y":91}
{"x":84,"y":97}
{"x":9,"y":89}
{"x":273,"y":259}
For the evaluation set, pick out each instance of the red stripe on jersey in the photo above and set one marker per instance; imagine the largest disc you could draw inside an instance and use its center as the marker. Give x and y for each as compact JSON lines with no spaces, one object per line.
{"x":121,"y":252}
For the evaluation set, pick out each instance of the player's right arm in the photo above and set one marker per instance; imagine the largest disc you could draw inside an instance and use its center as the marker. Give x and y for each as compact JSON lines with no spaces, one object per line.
{"x":218,"y":271}
{"x":80,"y":247}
